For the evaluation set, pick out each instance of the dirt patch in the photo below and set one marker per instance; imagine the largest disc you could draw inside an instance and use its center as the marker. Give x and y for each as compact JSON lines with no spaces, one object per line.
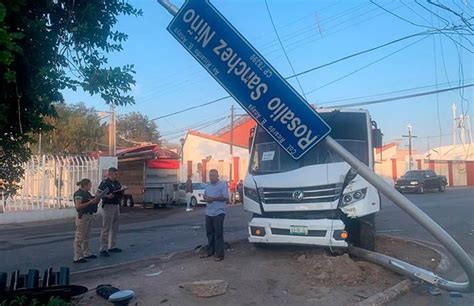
{"x":275,"y":276}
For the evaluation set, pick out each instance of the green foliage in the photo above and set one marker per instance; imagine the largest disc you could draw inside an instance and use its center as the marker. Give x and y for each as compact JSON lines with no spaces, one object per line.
{"x":22,"y":301}
{"x":135,"y":128}
{"x":47,"y":46}
{"x":77,"y":130}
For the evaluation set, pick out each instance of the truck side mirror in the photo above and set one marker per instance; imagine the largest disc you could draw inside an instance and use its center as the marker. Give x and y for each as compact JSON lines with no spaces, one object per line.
{"x":252,"y":133}
{"x":377,"y":138}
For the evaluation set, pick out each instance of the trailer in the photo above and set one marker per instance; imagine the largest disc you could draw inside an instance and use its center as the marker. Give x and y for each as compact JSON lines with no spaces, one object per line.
{"x":150,"y":174}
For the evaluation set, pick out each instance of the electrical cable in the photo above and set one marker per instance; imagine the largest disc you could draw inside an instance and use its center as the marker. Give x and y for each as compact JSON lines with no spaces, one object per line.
{"x":284,"y":51}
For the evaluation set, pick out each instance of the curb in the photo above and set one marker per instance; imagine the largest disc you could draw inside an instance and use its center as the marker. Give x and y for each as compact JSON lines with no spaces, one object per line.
{"x":390,"y":294}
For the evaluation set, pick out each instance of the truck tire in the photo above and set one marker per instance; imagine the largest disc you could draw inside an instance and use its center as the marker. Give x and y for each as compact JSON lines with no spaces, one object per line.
{"x":442,"y":187}
{"x":362,"y":232}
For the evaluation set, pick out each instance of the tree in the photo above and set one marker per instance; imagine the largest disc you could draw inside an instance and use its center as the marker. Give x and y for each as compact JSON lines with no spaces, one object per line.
{"x":135,"y":128}
{"x":47,"y":46}
{"x":77,"y":130}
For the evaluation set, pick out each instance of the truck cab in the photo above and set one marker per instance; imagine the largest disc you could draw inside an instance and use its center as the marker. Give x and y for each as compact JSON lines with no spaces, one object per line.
{"x":318,"y":199}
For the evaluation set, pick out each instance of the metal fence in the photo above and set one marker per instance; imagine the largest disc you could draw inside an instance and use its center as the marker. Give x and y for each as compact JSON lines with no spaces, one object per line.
{"x":50,"y":182}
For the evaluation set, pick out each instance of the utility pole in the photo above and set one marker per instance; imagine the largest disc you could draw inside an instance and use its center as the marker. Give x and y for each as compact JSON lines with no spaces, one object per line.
{"x":112,"y":132}
{"x":453,"y":107}
{"x":463,"y":130}
{"x":409,"y":136}
{"x":231,"y":141}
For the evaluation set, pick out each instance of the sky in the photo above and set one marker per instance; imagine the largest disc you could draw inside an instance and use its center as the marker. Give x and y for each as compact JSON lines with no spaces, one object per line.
{"x":313,"y":32}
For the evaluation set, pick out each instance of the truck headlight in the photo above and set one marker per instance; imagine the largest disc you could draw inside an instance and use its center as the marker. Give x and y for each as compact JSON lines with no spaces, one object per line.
{"x":251,"y":194}
{"x":413,"y":183}
{"x":354,"y":196}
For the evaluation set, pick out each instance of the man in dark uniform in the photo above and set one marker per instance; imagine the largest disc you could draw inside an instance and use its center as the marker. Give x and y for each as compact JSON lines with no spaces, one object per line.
{"x":110,"y":212}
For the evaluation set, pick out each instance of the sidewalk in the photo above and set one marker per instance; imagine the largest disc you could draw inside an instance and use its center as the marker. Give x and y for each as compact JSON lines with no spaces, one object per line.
{"x":275,"y":276}
{"x":16,"y":217}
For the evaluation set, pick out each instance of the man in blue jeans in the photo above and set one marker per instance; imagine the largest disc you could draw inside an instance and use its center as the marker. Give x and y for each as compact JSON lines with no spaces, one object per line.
{"x":216,"y":195}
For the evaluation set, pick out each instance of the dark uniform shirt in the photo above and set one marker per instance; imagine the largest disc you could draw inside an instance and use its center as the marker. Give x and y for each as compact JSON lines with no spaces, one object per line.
{"x":113,"y":187}
{"x":189,"y":186}
{"x":85,"y":196}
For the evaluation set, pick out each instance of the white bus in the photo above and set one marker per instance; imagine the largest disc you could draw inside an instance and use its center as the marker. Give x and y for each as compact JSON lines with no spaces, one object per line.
{"x":317,"y":200}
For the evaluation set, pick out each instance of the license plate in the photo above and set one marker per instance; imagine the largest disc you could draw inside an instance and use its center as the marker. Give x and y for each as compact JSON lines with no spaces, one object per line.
{"x":298,"y":230}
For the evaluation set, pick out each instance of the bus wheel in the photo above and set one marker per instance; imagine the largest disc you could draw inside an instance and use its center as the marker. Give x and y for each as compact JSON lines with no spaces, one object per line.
{"x":362,"y":232}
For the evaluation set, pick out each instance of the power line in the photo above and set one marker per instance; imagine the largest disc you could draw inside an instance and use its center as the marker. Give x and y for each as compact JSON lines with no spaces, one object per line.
{"x":368,"y":65}
{"x":284,"y":51}
{"x":201,"y":125}
{"x":303,"y":72}
{"x":403,"y":97}
{"x":192,"y":107}
{"x":387,"y":93}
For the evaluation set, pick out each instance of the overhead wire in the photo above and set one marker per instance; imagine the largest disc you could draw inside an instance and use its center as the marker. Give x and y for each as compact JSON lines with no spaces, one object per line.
{"x":283,"y":49}
{"x":403,"y":97}
{"x":387,"y":93}
{"x":367,"y":65}
{"x":304,"y":72}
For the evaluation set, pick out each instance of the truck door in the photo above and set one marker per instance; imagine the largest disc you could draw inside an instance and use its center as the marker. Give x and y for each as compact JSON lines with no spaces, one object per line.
{"x":431,"y":179}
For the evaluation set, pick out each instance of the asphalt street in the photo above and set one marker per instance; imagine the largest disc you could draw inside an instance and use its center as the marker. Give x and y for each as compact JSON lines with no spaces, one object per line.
{"x":148,"y":233}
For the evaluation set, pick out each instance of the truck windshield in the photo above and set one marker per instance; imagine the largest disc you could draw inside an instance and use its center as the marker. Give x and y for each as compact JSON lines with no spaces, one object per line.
{"x":414,"y":174}
{"x":348,"y":128}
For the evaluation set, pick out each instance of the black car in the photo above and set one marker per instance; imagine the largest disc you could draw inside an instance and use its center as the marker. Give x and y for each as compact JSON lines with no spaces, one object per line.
{"x":421,"y":180}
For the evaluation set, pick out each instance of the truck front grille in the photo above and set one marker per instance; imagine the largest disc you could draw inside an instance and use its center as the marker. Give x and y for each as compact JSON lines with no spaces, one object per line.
{"x":313,"y":194}
{"x":286,"y":232}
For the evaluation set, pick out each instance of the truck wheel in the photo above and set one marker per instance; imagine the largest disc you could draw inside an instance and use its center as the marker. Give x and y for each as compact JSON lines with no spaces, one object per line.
{"x":442,"y":187}
{"x":367,"y":232}
{"x":362,"y":232}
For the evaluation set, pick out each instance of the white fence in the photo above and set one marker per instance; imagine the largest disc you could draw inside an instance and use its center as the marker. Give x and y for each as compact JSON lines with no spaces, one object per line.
{"x":50,"y":182}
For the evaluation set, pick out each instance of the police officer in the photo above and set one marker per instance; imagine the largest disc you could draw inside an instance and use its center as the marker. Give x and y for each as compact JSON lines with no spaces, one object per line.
{"x":110,"y":213}
{"x":86,"y":206}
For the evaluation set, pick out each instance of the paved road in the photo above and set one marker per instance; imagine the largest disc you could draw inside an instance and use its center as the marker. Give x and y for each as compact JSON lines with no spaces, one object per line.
{"x":146,"y":233}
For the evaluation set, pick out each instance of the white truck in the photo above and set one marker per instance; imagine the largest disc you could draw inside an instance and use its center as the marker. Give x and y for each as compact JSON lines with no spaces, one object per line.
{"x":319,"y":199}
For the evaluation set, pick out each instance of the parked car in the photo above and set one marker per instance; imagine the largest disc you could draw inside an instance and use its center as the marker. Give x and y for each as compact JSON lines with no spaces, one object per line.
{"x":198,"y":194}
{"x":421,"y":180}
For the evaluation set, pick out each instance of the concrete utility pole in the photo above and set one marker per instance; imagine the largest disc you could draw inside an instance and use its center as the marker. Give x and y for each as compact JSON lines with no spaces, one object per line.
{"x":409,"y":136}
{"x":453,"y":107}
{"x":112,"y":132}
{"x":231,"y":141}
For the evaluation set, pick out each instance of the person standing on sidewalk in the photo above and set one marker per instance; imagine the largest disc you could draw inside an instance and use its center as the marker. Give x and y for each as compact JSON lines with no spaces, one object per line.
{"x":240,"y":190}
{"x":110,"y":213}
{"x":232,"y":186}
{"x":189,"y":193}
{"x":216,"y":194}
{"x":86,"y":206}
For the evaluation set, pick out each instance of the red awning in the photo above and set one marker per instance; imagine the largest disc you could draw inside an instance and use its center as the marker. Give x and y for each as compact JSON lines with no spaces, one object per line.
{"x":163,"y":163}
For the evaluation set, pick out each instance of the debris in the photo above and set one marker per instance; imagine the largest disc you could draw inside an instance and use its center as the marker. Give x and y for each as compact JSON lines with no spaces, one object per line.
{"x":154,"y":274}
{"x":121,"y":297}
{"x":434,"y":291}
{"x":301,"y":258}
{"x":322,"y":276}
{"x":149,"y":267}
{"x":163,"y":301}
{"x":207,"y":288}
{"x":455,"y":294}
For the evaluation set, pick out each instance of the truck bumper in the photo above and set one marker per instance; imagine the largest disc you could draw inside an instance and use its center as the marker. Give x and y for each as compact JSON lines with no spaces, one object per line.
{"x":322,"y":232}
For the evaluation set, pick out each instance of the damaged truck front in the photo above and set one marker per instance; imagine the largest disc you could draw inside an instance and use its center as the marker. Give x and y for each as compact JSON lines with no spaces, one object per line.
{"x":318,"y":199}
